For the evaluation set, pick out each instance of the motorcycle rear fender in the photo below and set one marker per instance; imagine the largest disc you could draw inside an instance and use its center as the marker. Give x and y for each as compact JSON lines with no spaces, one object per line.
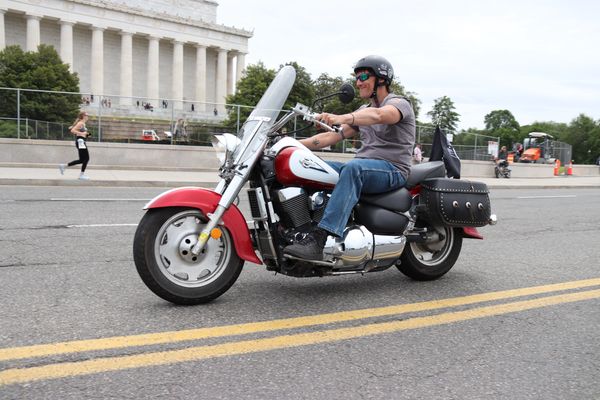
{"x":206,"y":201}
{"x":471,"y":233}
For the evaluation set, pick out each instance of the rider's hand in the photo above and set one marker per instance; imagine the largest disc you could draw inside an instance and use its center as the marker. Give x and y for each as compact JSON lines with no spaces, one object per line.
{"x":329,"y":119}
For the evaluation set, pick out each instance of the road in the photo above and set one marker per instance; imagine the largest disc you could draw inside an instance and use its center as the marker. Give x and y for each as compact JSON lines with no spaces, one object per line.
{"x":67,"y":275}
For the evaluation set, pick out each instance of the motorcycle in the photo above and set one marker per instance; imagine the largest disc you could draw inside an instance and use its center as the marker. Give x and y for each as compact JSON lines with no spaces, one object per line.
{"x":502,"y":169}
{"x":192,"y":243}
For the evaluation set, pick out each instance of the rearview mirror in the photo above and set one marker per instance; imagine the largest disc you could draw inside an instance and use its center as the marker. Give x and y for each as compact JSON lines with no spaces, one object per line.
{"x":346,"y":93}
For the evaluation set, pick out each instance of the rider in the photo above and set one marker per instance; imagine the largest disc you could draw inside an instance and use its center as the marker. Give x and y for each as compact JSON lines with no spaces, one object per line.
{"x":387,"y":130}
{"x":502,"y":159}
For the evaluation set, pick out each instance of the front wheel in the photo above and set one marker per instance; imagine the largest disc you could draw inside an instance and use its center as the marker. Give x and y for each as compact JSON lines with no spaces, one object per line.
{"x":163,"y":257}
{"x":431,"y":259}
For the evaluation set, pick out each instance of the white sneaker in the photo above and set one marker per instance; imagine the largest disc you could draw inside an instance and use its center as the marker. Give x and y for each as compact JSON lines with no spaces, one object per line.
{"x":61,"y":168}
{"x":84,"y":177}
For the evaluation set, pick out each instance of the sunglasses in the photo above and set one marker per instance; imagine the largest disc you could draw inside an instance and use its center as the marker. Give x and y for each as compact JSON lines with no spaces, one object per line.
{"x":363,"y":76}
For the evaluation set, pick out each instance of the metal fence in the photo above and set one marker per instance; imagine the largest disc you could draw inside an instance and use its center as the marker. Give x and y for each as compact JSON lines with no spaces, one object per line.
{"x":124,"y":119}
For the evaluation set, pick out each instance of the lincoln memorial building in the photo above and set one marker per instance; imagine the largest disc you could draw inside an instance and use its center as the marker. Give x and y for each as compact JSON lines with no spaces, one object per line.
{"x":134,"y":50}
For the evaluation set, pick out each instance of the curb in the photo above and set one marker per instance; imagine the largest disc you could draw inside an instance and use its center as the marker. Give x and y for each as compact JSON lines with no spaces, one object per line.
{"x":103,"y":183}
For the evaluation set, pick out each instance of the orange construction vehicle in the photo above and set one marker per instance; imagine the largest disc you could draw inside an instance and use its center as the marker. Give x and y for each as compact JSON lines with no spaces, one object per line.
{"x":537,"y":148}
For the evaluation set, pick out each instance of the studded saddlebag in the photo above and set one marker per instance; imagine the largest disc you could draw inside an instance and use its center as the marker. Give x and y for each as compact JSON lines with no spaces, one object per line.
{"x":455,"y":202}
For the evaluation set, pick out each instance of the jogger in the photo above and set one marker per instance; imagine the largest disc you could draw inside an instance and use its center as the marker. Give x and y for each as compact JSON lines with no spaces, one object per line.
{"x":80,"y":131}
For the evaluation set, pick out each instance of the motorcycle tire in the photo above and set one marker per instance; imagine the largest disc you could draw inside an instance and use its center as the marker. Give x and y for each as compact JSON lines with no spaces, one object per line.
{"x":430,"y":260}
{"x":161,"y":251}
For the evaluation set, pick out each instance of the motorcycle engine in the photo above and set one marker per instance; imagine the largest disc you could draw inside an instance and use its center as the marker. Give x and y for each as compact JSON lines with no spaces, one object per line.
{"x":296,"y":209}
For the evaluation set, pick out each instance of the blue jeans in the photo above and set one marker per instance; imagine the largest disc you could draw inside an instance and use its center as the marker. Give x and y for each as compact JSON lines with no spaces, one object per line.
{"x":361,"y":175}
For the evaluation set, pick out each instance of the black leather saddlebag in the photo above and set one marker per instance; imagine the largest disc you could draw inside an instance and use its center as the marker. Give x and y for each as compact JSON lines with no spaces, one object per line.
{"x":455,"y":202}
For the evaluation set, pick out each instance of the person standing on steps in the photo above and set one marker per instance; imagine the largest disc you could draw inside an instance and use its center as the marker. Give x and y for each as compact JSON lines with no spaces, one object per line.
{"x":81,"y":133}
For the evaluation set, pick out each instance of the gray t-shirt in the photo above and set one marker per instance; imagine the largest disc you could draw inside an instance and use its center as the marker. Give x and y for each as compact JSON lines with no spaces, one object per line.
{"x":393,"y":143}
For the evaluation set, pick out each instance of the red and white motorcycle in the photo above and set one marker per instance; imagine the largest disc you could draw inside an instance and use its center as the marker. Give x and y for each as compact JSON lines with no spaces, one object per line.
{"x":191,"y":244}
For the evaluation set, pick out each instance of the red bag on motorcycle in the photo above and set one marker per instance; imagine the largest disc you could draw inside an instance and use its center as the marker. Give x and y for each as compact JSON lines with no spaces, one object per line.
{"x":453,"y":202}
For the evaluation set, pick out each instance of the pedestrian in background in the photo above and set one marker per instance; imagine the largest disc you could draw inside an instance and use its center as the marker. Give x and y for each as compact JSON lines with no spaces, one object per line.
{"x":417,"y":154}
{"x":81,"y":133}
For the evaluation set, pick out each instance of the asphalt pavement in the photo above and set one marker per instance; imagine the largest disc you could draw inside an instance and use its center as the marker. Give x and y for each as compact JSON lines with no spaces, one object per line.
{"x":49,"y":175}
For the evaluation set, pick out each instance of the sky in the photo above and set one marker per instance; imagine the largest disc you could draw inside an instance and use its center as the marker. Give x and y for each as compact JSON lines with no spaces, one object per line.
{"x":538,"y":59}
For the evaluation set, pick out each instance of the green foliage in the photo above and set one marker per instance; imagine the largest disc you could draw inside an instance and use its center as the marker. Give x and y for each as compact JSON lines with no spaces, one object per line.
{"x":503,"y":124}
{"x":397,"y":88}
{"x":256,"y":81}
{"x":303,"y":90}
{"x":326,"y":85}
{"x":584,"y":135}
{"x":42,"y":70}
{"x":443,"y":114}
{"x":249,"y":90}
{"x":257,"y":78}
{"x":556,"y":129}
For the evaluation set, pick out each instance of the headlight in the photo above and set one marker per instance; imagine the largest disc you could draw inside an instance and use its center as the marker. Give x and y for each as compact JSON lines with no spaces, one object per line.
{"x":224,"y":145}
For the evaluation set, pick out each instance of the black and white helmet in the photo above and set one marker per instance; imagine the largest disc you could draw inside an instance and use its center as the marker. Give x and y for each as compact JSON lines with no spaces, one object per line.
{"x":379,"y":65}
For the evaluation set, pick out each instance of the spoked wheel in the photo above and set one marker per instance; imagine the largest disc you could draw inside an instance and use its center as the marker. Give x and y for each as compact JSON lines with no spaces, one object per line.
{"x":163,"y":257}
{"x":431,"y":259}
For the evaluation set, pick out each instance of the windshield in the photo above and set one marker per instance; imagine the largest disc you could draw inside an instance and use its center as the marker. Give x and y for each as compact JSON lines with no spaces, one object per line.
{"x":266,"y":112}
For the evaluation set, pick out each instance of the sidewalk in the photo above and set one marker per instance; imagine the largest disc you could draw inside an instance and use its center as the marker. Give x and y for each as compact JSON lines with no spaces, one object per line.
{"x":49,"y":175}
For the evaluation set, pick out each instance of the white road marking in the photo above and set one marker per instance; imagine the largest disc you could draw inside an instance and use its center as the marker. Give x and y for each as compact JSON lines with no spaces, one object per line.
{"x":547,"y":197}
{"x":98,"y":225}
{"x":95,"y":199}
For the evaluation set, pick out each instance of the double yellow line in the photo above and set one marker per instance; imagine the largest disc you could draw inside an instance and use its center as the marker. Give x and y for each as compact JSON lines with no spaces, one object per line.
{"x":67,"y":369}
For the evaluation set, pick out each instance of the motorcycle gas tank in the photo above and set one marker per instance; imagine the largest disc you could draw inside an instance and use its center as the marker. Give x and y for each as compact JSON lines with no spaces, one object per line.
{"x":296,"y":165}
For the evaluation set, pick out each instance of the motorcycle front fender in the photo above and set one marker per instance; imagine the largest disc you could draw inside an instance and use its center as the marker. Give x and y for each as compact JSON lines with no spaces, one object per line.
{"x":206,"y":201}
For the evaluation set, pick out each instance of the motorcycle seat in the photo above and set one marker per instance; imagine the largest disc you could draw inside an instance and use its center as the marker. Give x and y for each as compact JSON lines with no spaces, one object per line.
{"x":399,"y":199}
{"x":420,"y":172}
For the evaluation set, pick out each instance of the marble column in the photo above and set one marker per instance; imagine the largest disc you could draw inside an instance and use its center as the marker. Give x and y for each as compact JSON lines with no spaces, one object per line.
{"x":126,"y":68}
{"x":177,"y":84}
{"x":2,"y":32}
{"x":33,"y":32}
{"x":240,"y":66}
{"x":230,"y":76}
{"x":66,"y":43}
{"x":221,"y":89}
{"x":97,"y":64}
{"x":153,"y":77}
{"x":201,"y":78}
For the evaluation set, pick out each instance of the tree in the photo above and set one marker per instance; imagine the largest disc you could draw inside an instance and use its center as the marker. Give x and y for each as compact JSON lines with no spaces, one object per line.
{"x":41,"y":70}
{"x":397,"y":88}
{"x":326,"y":85}
{"x":256,"y":81}
{"x":443,"y":114}
{"x":249,"y":90}
{"x":303,"y":90}
{"x":584,"y":135}
{"x":503,"y":124}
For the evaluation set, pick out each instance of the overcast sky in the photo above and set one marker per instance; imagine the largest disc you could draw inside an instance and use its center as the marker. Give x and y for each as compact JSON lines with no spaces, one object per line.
{"x":538,"y":59}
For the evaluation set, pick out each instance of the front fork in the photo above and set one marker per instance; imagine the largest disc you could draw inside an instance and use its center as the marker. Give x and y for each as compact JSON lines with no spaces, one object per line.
{"x":227,"y":198}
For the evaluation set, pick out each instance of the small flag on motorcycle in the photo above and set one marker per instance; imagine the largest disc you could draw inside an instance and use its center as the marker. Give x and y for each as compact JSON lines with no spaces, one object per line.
{"x":442,"y":150}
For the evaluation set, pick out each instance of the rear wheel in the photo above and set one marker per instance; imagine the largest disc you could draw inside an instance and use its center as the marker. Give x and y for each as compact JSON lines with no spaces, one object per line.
{"x":431,"y":259}
{"x":163,"y":257}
